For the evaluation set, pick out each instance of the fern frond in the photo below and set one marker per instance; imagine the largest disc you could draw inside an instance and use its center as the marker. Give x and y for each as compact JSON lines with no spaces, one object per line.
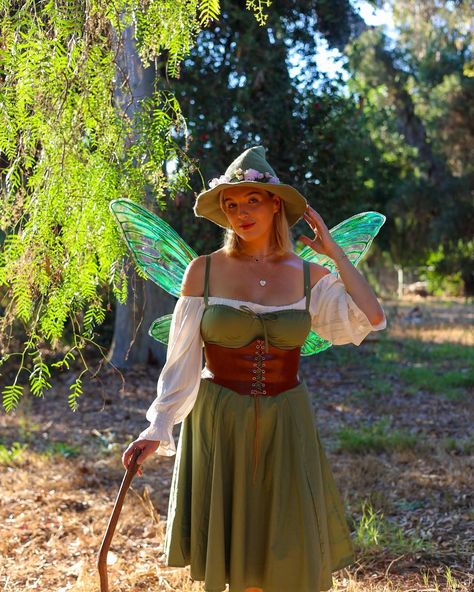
{"x":11,"y":395}
{"x":208,"y":10}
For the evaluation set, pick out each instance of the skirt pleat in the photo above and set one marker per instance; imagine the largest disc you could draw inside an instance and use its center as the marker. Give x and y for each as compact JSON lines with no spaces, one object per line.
{"x":285,"y":532}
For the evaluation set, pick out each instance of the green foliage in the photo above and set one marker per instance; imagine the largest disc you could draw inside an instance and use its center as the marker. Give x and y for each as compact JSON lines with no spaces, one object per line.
{"x":67,"y":151}
{"x":449,"y":266}
{"x":331,"y":158}
{"x":11,"y":395}
{"x":454,"y":384}
{"x":375,"y":437}
{"x":374,"y":532}
{"x":208,"y":9}
{"x":14,"y":454}
{"x":258,"y":6}
{"x":417,"y":100}
{"x":61,"y":449}
{"x":458,"y":445}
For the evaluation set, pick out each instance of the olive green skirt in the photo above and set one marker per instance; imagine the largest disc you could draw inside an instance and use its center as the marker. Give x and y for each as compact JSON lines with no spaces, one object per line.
{"x":283,"y":528}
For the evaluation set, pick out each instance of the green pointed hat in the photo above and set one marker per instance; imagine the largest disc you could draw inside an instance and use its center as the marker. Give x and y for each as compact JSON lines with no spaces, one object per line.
{"x":250,"y":169}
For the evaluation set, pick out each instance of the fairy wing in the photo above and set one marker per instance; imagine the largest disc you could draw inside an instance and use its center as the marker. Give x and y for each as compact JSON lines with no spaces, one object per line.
{"x":157,"y":248}
{"x":160,"y":329}
{"x":314,"y":344}
{"x":354,"y":235}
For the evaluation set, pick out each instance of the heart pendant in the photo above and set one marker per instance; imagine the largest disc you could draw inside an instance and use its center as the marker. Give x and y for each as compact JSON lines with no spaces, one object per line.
{"x":262,"y":282}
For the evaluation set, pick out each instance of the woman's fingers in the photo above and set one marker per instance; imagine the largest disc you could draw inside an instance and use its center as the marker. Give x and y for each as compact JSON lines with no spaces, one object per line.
{"x":146,"y":448}
{"x":127,"y":455}
{"x":306,"y":240}
{"x":313,"y":222}
{"x":317,"y":224}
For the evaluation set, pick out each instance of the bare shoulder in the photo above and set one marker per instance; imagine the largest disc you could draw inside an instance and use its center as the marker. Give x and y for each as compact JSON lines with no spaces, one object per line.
{"x":193,"y":279}
{"x":317,"y":272}
{"x":194,"y":275}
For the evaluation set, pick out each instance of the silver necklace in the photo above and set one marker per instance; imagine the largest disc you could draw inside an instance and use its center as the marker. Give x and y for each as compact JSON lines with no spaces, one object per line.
{"x":262,"y":282}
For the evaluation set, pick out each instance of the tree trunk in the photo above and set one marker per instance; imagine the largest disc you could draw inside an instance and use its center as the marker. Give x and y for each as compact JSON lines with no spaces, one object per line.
{"x":146,"y":301}
{"x":131,"y":343}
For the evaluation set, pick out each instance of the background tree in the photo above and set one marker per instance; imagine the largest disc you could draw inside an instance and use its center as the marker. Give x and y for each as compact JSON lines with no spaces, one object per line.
{"x":412,"y":90}
{"x":67,"y":149}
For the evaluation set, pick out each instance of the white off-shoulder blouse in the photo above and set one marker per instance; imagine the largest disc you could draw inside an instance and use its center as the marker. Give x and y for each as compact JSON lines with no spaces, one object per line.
{"x":335,"y":317}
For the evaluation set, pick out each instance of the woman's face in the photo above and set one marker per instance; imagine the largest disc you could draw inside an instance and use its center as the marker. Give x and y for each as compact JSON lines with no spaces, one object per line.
{"x":250,"y":210}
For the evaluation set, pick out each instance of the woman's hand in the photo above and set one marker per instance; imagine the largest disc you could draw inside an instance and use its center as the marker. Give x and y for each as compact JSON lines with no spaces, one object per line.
{"x":323,"y":243}
{"x":147,"y":447}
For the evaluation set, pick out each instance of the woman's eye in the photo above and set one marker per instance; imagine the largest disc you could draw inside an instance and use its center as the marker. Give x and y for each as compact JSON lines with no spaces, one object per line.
{"x":230,"y":206}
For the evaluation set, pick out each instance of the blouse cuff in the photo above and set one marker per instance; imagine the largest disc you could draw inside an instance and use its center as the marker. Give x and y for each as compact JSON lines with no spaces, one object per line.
{"x":359,"y":324}
{"x":161,"y":429}
{"x":335,"y":315}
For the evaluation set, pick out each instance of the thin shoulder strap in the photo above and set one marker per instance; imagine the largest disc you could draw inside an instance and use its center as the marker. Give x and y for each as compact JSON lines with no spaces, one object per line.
{"x":307,"y":282}
{"x":206,"y":280}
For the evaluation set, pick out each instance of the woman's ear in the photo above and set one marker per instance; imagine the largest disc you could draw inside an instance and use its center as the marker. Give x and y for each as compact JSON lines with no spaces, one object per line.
{"x":277,"y":202}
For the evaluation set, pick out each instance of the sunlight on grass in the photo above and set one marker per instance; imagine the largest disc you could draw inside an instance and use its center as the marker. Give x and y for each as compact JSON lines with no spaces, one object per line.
{"x":376,"y":437}
{"x":452,"y":384}
{"x":374,"y":533}
{"x":451,"y":585}
{"x":457,"y":334}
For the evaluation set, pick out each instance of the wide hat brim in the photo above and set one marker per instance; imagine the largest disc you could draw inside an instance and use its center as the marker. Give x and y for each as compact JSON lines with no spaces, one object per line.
{"x":207,"y":203}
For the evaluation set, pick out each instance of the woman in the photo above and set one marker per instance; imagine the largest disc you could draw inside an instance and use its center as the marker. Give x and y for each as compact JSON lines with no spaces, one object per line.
{"x":253,"y":501}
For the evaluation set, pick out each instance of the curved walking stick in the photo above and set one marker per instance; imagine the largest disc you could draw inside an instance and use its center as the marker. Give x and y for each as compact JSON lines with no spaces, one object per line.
{"x":109,"y":533}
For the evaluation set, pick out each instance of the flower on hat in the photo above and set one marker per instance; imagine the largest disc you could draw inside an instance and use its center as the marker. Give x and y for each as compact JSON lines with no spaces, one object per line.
{"x":239,"y":174}
{"x":247,"y":175}
{"x":218,"y":181}
{"x":252,"y":175}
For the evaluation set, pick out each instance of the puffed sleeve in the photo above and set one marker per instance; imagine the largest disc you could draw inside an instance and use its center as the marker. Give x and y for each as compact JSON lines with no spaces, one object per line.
{"x":335,"y":316}
{"x":179,"y":380}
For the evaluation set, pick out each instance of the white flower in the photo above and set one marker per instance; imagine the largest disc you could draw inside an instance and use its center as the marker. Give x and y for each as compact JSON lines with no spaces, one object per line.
{"x":218,"y":181}
{"x":248,"y":175}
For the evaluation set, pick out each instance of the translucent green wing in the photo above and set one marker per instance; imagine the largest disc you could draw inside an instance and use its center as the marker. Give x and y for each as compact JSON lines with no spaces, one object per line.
{"x":157,"y":248}
{"x":314,"y":344}
{"x":160,"y":329}
{"x":354,"y":235}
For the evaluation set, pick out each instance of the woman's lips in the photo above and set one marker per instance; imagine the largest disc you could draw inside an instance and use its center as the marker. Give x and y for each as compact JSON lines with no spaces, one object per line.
{"x":244,"y":226}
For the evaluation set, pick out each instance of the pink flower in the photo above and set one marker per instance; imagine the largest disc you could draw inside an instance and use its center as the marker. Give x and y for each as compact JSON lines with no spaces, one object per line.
{"x":252,"y":175}
{"x":274,"y":180}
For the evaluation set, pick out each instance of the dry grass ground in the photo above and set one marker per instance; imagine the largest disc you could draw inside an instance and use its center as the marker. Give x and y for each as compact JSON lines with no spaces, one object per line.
{"x":395,"y":415}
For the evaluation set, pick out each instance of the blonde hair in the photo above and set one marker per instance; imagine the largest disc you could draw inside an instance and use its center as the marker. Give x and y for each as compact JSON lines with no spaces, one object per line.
{"x":281,"y":237}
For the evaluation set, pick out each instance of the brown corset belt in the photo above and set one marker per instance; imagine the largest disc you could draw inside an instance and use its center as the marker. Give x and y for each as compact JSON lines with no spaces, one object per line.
{"x":249,"y":370}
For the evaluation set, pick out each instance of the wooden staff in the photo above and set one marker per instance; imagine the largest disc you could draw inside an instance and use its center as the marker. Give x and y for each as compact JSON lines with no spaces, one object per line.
{"x":109,"y":533}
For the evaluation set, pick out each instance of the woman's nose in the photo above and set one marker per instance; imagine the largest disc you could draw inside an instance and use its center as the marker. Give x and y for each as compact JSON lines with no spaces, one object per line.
{"x":242,"y":210}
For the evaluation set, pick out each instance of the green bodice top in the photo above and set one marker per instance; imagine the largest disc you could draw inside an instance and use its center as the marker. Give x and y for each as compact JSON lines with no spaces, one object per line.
{"x":230,"y":326}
